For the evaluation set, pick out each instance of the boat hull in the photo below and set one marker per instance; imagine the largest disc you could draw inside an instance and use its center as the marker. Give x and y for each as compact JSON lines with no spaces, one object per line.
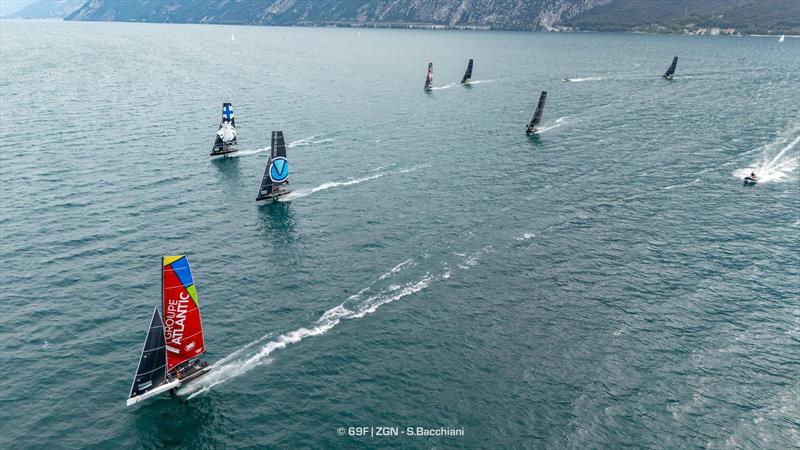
{"x":750,"y":180}
{"x":152,"y":393}
{"x":224,"y":152}
{"x":273,"y":196}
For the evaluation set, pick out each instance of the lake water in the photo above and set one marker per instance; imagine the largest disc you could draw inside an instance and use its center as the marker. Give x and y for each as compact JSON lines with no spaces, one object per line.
{"x":610,"y":283}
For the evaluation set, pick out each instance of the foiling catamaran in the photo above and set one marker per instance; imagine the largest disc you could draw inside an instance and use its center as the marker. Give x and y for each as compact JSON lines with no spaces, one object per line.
{"x":225,"y":141}
{"x":429,"y":78}
{"x":276,"y":175}
{"x":671,"y":69}
{"x":533,"y":126}
{"x":175,"y":341}
{"x":468,"y":74}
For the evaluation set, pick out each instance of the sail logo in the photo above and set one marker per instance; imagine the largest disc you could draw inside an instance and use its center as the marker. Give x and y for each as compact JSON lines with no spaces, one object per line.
{"x":175,"y":317}
{"x":279,"y":170}
{"x":227,"y":112}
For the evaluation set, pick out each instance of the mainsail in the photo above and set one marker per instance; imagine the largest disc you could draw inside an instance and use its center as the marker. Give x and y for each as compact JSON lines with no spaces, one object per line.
{"x":671,"y":70}
{"x":537,"y":115}
{"x":183,"y":329}
{"x":152,"y":371}
{"x":467,"y":74}
{"x":277,"y":170}
{"x":226,"y":134}
{"x":429,"y":77}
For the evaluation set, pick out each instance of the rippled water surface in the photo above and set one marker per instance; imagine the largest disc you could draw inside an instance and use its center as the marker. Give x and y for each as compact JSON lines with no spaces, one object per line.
{"x":610,"y":283}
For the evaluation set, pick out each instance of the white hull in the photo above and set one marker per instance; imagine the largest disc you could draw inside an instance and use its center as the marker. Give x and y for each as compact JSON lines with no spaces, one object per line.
{"x":159,"y":390}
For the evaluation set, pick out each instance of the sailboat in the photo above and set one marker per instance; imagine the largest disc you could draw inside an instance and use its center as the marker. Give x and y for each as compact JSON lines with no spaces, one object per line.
{"x":671,"y":69}
{"x":175,"y":340}
{"x":537,"y":115}
{"x":276,"y":175}
{"x":429,"y":78}
{"x":783,"y":36}
{"x":467,"y":74}
{"x":225,"y":141}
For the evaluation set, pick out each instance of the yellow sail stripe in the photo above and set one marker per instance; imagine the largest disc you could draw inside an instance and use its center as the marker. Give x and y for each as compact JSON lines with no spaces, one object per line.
{"x":171,"y":259}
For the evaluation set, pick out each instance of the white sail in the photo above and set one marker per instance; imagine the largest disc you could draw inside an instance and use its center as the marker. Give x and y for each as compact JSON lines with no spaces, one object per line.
{"x":226,"y":132}
{"x":782,"y":38}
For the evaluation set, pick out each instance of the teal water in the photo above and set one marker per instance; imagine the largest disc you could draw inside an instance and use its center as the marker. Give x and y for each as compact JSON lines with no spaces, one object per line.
{"x":608,"y":284}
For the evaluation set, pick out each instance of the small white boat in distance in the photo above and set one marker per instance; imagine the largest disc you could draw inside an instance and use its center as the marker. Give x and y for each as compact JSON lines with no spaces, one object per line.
{"x":782,"y":38}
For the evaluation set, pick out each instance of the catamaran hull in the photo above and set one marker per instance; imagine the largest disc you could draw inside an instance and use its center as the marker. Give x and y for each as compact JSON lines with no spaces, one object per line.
{"x":223,"y":152}
{"x":167,"y":387}
{"x":152,"y":393}
{"x":271,"y":197}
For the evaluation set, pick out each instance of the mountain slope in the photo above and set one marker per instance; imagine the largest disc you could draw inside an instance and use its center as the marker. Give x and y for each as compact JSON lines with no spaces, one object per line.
{"x":498,"y":14}
{"x":748,"y":16}
{"x":48,"y":9}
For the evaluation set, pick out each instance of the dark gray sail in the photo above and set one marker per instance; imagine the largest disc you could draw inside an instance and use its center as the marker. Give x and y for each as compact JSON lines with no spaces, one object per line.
{"x":276,"y":173}
{"x":429,"y":78}
{"x":152,"y":370}
{"x":537,"y":115}
{"x":467,"y":74}
{"x":671,"y":70}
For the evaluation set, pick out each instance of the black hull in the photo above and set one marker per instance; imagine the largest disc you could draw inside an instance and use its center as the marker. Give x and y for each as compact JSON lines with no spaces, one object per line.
{"x":224,"y":152}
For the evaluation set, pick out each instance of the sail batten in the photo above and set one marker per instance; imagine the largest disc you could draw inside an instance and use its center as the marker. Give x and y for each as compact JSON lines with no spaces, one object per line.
{"x":468,"y":73}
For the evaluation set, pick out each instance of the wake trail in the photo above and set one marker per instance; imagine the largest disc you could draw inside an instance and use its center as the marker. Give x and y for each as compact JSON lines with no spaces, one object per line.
{"x":365,"y":302}
{"x":481,"y":81}
{"x":334,"y":184}
{"x":580,"y":80}
{"x":778,"y":159}
{"x":311,"y":140}
{"x":560,"y":121}
{"x":447,"y":86}
{"x":248,"y":152}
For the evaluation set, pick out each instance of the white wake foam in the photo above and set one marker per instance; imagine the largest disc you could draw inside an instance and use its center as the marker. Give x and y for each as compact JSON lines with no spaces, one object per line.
{"x":333,"y":184}
{"x":447,"y":86}
{"x":777,"y":159}
{"x":480,"y":81}
{"x":365,"y":302}
{"x":560,"y":121}
{"x":579,"y":80}
{"x":249,"y":152}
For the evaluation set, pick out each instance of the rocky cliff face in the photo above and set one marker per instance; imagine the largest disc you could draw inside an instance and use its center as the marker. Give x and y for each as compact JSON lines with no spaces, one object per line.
{"x":497,"y":14}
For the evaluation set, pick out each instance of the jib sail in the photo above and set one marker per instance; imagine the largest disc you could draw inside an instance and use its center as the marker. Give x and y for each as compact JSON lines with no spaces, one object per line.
{"x":183,"y":329}
{"x":537,"y":115}
{"x":277,"y":170}
{"x":468,"y":73}
{"x":152,"y":370}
